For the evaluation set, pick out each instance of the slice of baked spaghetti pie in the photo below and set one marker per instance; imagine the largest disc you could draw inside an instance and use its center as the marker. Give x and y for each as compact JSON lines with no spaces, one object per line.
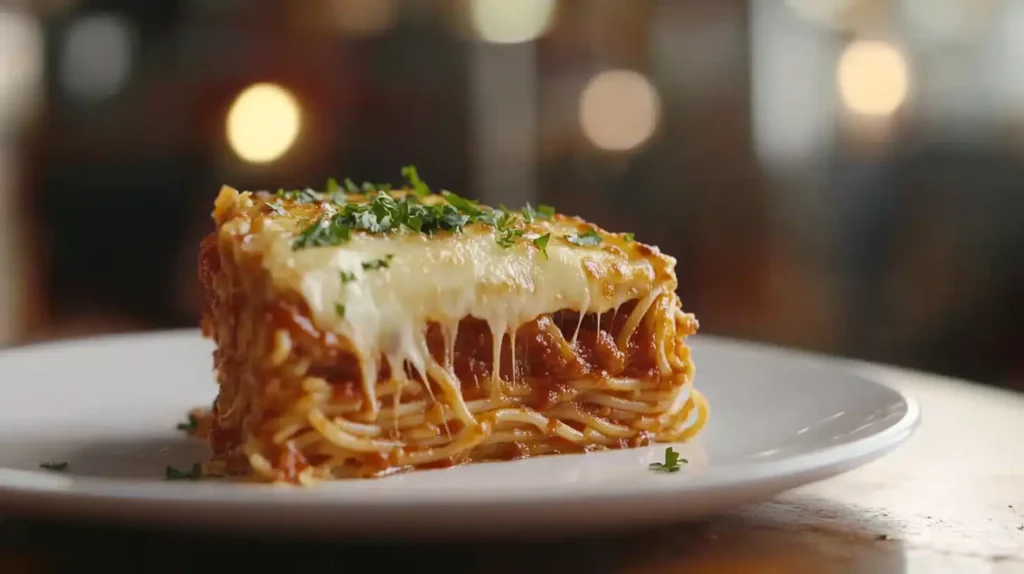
{"x":362,"y":330}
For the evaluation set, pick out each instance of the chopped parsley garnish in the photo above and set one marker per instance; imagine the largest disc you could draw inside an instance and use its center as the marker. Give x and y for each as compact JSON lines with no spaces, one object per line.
{"x":591,"y":237}
{"x":369,"y":187}
{"x":333,"y":191}
{"x":320,"y":233}
{"x":276,"y":208}
{"x":192,"y":423}
{"x":55,"y":466}
{"x":195,"y":473}
{"x":671,"y":464}
{"x":508,"y":238}
{"x":628,"y":237}
{"x":380,"y":215}
{"x":466,"y":206}
{"x":299,"y":195}
{"x":529,"y":214}
{"x":347,"y":277}
{"x":507,"y":230}
{"x":419,"y":187}
{"x":339,"y":309}
{"x":542,"y":243}
{"x":383,"y":263}
{"x":384,"y":213}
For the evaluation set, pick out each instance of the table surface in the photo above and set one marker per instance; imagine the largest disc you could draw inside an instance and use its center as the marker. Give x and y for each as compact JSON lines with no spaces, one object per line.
{"x":950,"y":500}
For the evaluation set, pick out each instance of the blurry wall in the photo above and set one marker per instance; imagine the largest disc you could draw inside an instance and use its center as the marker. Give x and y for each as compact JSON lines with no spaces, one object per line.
{"x":21,"y":90}
{"x":837,"y":175}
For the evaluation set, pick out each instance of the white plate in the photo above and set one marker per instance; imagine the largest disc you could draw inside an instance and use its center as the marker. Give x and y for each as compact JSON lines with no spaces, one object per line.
{"x":108,"y":406}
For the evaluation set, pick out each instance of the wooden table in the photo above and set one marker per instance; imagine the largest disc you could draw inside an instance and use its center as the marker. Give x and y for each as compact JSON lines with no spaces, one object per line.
{"x":951,"y":500}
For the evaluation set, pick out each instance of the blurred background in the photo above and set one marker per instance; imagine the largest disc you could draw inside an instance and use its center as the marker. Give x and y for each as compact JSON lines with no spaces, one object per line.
{"x":844,"y":176}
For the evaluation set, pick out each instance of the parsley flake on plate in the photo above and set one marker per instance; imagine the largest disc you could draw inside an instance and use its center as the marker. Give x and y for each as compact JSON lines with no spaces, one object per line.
{"x":55,"y":466}
{"x":671,"y":464}
{"x":195,"y":473}
{"x":189,"y":425}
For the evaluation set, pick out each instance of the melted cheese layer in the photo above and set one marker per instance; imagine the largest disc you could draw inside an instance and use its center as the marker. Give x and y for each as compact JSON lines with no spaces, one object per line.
{"x":444,"y":278}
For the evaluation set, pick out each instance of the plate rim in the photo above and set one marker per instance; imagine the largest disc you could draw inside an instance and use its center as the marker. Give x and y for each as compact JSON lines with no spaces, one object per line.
{"x":821,"y":463}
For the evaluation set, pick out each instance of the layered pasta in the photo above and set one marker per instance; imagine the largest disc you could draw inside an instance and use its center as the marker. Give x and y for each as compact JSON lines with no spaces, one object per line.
{"x":364,"y":331}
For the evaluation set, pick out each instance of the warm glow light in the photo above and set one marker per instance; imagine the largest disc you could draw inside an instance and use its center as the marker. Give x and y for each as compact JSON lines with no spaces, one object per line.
{"x":511,"y":21}
{"x":619,"y":110}
{"x":263,"y":123}
{"x":21,"y":66}
{"x":872,"y":78}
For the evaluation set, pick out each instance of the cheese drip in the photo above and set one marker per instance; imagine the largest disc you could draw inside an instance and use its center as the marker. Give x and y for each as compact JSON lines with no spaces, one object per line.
{"x":380,"y":291}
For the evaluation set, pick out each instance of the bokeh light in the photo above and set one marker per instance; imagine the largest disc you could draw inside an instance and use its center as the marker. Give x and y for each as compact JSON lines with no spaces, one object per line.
{"x":511,"y":21}
{"x":96,"y":57}
{"x":872,"y":78}
{"x":619,"y":110}
{"x":263,"y":122}
{"x":21,"y":66}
